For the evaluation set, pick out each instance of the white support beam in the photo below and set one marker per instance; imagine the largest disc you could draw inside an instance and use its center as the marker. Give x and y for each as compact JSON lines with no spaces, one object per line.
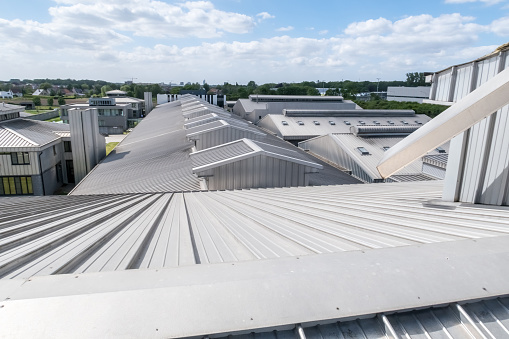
{"x":477,"y":105}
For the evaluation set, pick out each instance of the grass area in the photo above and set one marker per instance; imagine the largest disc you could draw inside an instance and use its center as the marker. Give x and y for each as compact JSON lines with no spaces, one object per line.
{"x":37,"y":111}
{"x":57,"y":119}
{"x":110,"y":146}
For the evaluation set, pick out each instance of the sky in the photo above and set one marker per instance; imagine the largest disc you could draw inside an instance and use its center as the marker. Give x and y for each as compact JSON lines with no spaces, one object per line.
{"x":237,"y":41}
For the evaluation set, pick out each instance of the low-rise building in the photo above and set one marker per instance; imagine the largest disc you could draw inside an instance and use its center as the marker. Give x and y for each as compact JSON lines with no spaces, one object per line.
{"x":112,"y":116}
{"x":412,"y":94}
{"x":257,"y":106}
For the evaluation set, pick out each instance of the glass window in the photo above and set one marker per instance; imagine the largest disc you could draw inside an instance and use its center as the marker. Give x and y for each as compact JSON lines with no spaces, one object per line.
{"x":363,"y":151}
{"x":16,"y":185}
{"x":20,"y":158}
{"x":67,"y":146}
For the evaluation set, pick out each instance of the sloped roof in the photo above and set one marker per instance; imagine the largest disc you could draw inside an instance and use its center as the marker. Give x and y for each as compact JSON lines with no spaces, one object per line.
{"x":241,"y":149}
{"x":154,"y":157}
{"x":29,"y":133}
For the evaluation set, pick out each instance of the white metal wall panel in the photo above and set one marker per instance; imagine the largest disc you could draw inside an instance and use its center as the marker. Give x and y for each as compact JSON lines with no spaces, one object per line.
{"x":7,"y":169}
{"x":495,"y":179}
{"x":443,"y":85}
{"x":486,"y":69}
{"x":463,"y":81}
{"x":474,"y":160}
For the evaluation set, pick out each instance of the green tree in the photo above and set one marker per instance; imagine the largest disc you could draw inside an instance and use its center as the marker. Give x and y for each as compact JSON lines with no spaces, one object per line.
{"x":36,"y":101}
{"x":84,"y":87}
{"x":50,"y":102}
{"x":45,"y":85}
{"x":415,"y":79}
{"x":206,"y":87}
{"x":61,"y":101}
{"x":104,"y":89}
{"x":332,"y":92}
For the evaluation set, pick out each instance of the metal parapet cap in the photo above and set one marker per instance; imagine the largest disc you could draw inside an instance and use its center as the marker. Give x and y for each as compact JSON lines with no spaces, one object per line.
{"x":477,"y":105}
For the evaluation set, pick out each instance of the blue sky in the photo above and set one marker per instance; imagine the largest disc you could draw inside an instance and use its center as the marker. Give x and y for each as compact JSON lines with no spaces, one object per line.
{"x":239,"y":40}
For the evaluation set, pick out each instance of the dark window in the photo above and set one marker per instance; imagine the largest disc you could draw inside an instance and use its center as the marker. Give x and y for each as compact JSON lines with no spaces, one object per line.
{"x":300,"y":123}
{"x":67,"y":146}
{"x":316,"y":122}
{"x":332,"y":122}
{"x":347,"y":122}
{"x":390,"y":122}
{"x":385,"y":148}
{"x":404,"y":122}
{"x":362,"y":122}
{"x":440,"y":150}
{"x":20,"y":158}
{"x":284,"y":123}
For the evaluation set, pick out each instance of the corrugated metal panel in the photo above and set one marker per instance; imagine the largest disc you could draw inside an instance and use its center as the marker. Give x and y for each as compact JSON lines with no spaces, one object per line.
{"x":103,"y":233}
{"x":154,"y":157}
{"x":342,"y":149}
{"x":443,"y":84}
{"x":309,"y":129}
{"x":436,"y":172}
{"x":463,"y":81}
{"x":220,"y":153}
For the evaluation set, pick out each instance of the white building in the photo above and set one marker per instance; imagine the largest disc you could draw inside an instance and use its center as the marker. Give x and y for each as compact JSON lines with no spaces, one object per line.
{"x":412,"y":94}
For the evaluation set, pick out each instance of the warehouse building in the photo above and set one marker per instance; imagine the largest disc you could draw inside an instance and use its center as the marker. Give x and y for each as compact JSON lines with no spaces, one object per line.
{"x":257,"y":106}
{"x":360,"y":153}
{"x":299,"y":125}
{"x":409,"y":94}
{"x":398,"y":260}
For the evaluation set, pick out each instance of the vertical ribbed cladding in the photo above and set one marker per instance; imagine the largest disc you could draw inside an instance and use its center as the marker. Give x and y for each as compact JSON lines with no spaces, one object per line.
{"x":90,"y":218}
{"x":140,"y":254}
{"x":72,"y":265}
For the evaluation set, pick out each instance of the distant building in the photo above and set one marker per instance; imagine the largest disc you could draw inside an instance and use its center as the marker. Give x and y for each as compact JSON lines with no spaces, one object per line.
{"x":6,"y":94}
{"x":38,"y":157}
{"x":112,"y":116}
{"x":412,"y":94}
{"x":257,"y":107}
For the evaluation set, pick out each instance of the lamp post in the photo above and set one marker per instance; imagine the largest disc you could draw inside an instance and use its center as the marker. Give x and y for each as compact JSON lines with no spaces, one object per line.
{"x":377,"y":85}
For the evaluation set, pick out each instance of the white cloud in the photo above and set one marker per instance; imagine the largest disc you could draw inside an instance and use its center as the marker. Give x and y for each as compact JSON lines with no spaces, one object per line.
{"x":95,"y":41}
{"x":285,"y":29}
{"x":500,"y":26}
{"x":151,"y":18}
{"x":323,"y":32}
{"x":264,"y":16}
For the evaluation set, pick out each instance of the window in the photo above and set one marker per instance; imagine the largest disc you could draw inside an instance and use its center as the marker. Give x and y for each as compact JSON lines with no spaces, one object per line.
{"x":20,"y":158}
{"x":300,"y":123}
{"x":316,"y":122}
{"x":347,"y":123}
{"x":54,"y":150}
{"x":418,"y":122}
{"x":390,"y":122}
{"x":440,"y":150}
{"x":16,"y":185}
{"x":404,"y":122}
{"x":284,"y":123}
{"x":363,"y":151}
{"x":362,"y":122}
{"x":67,"y":146}
{"x":385,"y":148}
{"x":332,"y":123}
{"x":376,"y":122}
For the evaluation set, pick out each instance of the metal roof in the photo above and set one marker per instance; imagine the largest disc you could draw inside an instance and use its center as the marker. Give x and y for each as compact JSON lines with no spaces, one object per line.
{"x":10,"y":108}
{"x":29,"y":133}
{"x":154,"y":157}
{"x":402,"y":113}
{"x":309,"y":129}
{"x":106,"y":233}
{"x":350,"y":143}
{"x":241,"y":149}
{"x":438,"y":160}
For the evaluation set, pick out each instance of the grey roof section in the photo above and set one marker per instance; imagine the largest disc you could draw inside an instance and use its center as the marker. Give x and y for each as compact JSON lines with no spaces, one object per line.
{"x":350,"y":143}
{"x":438,"y":160}
{"x":10,"y":108}
{"x":295,"y":131}
{"x":266,"y":295}
{"x":57,"y":235}
{"x":29,"y":133}
{"x":277,"y":107}
{"x":294,"y":98}
{"x":154,"y":157}
{"x":403,"y":113}
{"x":219,"y":154}
{"x":240,"y":149}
